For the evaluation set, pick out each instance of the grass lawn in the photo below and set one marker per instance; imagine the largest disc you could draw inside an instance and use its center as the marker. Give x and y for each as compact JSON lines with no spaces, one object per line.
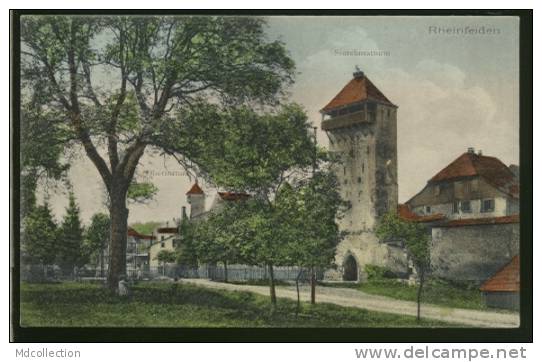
{"x":181,"y":305}
{"x":434,"y":292}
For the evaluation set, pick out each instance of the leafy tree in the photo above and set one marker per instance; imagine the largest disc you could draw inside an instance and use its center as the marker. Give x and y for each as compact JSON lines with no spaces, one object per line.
{"x":141,"y":192}
{"x":416,"y":240}
{"x":148,"y":83}
{"x":266,"y":235}
{"x":219,"y":237}
{"x":71,"y":251}
{"x":312,"y":208}
{"x":187,"y":254}
{"x":268,"y":150}
{"x":164,"y":257}
{"x":40,"y":151}
{"x":97,"y":239}
{"x":40,"y":236}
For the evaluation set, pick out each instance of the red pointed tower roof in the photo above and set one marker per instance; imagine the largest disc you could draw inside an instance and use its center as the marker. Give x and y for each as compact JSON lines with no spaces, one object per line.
{"x":195,"y":190}
{"x":359,"y":89}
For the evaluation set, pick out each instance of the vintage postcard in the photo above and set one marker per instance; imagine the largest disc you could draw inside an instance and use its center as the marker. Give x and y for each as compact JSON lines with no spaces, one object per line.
{"x":254,"y":171}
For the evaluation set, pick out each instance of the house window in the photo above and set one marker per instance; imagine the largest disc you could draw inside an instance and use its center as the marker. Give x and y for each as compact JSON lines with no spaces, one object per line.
{"x":359,"y":180}
{"x":162,"y":245}
{"x":488,"y":205}
{"x":465,"y":207}
{"x":436,"y":190}
{"x":455,"y":209}
{"x":162,"y":237}
{"x":428,"y":209}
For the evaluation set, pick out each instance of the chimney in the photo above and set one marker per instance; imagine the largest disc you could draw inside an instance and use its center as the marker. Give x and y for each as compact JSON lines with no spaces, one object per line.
{"x":480,"y":153}
{"x":470,"y":150}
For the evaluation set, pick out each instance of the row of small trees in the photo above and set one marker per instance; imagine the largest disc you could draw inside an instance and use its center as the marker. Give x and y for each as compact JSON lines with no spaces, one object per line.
{"x":68,"y":244}
{"x":297,"y":227}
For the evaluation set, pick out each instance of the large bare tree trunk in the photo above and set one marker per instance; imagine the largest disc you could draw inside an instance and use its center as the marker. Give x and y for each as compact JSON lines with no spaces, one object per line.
{"x":118,"y":240}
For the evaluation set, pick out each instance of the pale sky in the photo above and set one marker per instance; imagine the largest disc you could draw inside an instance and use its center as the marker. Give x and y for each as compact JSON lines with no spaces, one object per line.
{"x":453,"y":91}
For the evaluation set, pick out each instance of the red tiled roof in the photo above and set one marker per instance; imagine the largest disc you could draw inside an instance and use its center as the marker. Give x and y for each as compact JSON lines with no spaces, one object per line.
{"x":167,"y":230}
{"x":404,"y":212}
{"x":134,"y":233}
{"x":357,"y":90}
{"x":490,"y":168}
{"x":505,"y":280}
{"x":233,"y":196}
{"x":195,"y":190}
{"x":511,"y":219}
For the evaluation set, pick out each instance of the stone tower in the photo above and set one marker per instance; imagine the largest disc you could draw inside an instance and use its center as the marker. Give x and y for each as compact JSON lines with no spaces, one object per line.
{"x":361,"y":124}
{"x":196,"y":198}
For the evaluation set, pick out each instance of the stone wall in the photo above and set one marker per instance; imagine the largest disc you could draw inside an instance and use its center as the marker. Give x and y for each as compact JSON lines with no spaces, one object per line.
{"x":386,"y":191}
{"x":502,"y":300}
{"x":366,"y":249}
{"x":472,"y":253}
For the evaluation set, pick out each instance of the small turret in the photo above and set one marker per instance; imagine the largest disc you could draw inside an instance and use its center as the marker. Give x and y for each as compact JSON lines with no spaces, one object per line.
{"x":196,"y":198}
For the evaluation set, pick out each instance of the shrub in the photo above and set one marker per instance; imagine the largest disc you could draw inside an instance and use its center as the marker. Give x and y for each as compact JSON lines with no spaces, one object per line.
{"x":375,"y":272}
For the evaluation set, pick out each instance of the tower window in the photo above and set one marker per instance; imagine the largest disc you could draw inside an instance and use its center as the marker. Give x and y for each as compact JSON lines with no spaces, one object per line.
{"x":389,"y":113}
{"x":368,"y":149}
{"x":362,"y":167}
{"x":345,"y":181}
{"x":428,"y":209}
{"x":359,"y":180}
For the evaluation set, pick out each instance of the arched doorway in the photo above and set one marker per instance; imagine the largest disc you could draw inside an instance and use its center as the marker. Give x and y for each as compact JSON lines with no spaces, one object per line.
{"x":350,"y":269}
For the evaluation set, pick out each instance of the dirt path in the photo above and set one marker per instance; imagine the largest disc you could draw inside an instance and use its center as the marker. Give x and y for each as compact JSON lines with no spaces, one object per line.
{"x":353,"y":298}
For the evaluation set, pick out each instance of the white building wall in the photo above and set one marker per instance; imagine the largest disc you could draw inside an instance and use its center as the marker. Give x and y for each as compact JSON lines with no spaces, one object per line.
{"x":501,"y":209}
{"x":158,"y":246}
